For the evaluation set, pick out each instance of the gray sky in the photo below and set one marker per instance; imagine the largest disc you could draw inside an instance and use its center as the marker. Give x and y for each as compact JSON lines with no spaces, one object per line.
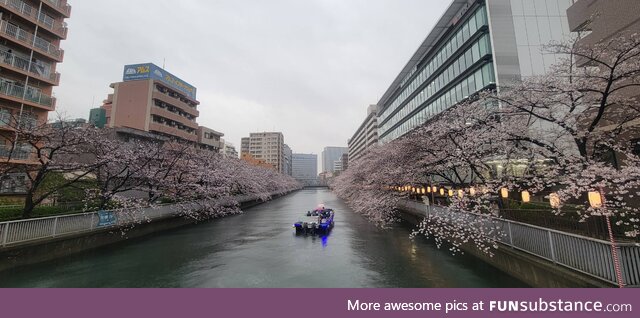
{"x":308,"y":68}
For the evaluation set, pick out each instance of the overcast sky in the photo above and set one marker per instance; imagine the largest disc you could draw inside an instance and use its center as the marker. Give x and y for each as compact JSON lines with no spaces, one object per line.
{"x":307,"y":68}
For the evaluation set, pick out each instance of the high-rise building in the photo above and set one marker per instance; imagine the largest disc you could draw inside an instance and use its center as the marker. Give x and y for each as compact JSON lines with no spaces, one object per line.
{"x":305,"y":168}
{"x":150,"y":99}
{"x":476,"y":44}
{"x":330,"y":155}
{"x":31,"y":33}
{"x":366,"y":136}
{"x":288,"y":156}
{"x":267,"y":146}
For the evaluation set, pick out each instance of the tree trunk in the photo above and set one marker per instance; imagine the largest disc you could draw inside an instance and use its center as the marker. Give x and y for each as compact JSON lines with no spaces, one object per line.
{"x":28,"y":206}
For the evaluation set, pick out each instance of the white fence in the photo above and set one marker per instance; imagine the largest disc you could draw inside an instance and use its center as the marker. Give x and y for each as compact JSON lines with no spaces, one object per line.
{"x":23,"y":231}
{"x":580,"y":253}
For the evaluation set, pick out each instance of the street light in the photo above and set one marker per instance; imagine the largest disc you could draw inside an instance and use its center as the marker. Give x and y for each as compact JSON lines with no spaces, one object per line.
{"x":504,"y":193}
{"x":460,"y":193}
{"x":472,"y":191}
{"x":441,"y":191}
{"x":526,"y":197}
{"x":450,"y":192}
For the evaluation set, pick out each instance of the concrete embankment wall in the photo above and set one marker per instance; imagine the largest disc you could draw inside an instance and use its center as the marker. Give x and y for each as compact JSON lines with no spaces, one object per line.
{"x":51,"y":248}
{"x":527,"y":268}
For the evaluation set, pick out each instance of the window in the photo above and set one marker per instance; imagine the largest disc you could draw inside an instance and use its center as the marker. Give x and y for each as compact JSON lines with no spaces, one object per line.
{"x":472,"y":24}
{"x":459,"y":40}
{"x":481,"y":18}
{"x":478,"y":79}
{"x":465,"y":88}
{"x":468,"y":57}
{"x":5,"y":117}
{"x":483,"y":47}
{"x":472,"y":84}
{"x":475,"y":52}
{"x":465,"y":31}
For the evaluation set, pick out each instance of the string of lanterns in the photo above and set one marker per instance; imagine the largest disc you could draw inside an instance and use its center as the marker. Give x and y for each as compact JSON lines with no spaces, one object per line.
{"x":595,"y":197}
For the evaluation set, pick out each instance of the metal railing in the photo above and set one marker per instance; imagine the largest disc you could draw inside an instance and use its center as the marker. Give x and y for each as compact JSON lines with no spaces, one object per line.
{"x":22,"y":231}
{"x":27,"y":38}
{"x":61,"y":5}
{"x":32,"y":94}
{"x":40,"y":71}
{"x":586,"y":255}
{"x":31,"y":13}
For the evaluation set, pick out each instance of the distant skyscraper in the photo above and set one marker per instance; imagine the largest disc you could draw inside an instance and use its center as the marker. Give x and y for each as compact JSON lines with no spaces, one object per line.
{"x":305,"y":168}
{"x":331,"y":155}
{"x":288,"y":157}
{"x":267,"y":146}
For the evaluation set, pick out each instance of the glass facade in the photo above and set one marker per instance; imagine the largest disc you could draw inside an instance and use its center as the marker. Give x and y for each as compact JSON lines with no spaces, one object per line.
{"x":456,"y":70}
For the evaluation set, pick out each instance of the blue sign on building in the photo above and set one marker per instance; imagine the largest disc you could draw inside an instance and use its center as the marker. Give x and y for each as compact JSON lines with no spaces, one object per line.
{"x":106,"y":218}
{"x":136,"y":72}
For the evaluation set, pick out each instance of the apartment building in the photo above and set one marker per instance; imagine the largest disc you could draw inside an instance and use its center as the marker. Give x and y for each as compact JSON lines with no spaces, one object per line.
{"x":267,"y":146}
{"x":31,"y":32}
{"x":366,"y":136}
{"x":151,"y":99}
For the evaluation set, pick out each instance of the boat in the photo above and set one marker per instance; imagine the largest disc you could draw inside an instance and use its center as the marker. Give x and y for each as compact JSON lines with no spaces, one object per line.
{"x":320,"y":221}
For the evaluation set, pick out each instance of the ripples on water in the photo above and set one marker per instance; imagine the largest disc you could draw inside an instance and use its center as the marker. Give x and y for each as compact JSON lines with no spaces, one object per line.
{"x":260,"y":249}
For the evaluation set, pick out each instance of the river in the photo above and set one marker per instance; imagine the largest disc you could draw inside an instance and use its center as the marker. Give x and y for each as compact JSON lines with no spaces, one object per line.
{"x":259,"y":248}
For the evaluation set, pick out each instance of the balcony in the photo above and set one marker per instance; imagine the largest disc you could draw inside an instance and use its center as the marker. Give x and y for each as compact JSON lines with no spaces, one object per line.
{"x":59,"y":5}
{"x":32,"y":96}
{"x":21,"y":65}
{"x":175,"y":102}
{"x":172,"y":131}
{"x":30,"y":13}
{"x":173,"y":116}
{"x":29,"y":40}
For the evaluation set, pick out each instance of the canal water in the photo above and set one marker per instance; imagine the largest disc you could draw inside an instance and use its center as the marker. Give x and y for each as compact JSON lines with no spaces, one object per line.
{"x":260,"y":249}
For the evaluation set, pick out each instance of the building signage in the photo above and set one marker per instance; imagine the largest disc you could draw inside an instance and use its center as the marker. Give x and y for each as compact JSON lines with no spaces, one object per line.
{"x":146,"y":71}
{"x":106,"y":218}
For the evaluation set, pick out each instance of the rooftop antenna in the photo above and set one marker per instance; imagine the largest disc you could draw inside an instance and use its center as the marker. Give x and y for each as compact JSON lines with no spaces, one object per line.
{"x":164,"y":62}
{"x":93,"y":102}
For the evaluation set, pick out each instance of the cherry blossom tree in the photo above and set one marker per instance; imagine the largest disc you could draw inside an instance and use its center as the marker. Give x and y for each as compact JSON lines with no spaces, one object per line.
{"x":546,"y":133}
{"x":39,"y":150}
